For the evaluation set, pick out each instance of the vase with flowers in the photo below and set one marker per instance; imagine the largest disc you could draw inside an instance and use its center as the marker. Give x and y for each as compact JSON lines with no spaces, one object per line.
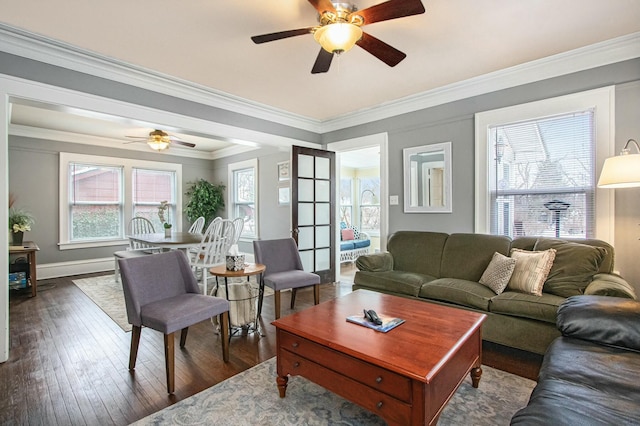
{"x":163,"y":215}
{"x":20,"y":221}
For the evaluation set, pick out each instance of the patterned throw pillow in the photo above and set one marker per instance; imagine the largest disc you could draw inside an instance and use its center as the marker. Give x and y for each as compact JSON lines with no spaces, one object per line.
{"x":356,"y":232}
{"x":498,"y":273}
{"x":531,"y":271}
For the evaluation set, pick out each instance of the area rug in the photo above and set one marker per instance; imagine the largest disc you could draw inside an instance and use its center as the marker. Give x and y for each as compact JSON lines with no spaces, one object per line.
{"x":251,"y":398}
{"x":105,"y":292}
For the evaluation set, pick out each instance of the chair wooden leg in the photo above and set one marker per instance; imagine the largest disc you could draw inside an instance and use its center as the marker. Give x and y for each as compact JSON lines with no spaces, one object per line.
{"x":224,"y":328}
{"x":276,"y":302}
{"x":135,"y":341}
{"x":294,"y":291}
{"x":183,"y":336}
{"x":169,"y":359}
{"x":316,"y":294}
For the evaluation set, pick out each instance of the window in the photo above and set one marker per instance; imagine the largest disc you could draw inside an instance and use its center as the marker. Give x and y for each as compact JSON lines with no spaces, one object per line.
{"x":370,"y":204}
{"x":243,"y":195}
{"x":150,"y":188}
{"x":537,"y":164}
{"x":346,"y":205}
{"x":95,"y":202}
{"x":103,"y":194}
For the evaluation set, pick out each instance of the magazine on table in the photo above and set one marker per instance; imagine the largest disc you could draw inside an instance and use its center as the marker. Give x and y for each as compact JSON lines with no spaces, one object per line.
{"x":388,"y":323}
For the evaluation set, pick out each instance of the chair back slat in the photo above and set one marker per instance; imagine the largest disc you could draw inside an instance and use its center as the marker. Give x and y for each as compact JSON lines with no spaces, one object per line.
{"x":197,"y":226}
{"x":140,"y":225}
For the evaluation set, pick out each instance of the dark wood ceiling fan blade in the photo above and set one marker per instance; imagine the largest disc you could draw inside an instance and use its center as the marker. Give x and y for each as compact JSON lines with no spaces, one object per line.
{"x":381,"y":50}
{"x":323,"y":62}
{"x":323,"y":6}
{"x":391,"y":9}
{"x":180,"y":142}
{"x":264,"y":38}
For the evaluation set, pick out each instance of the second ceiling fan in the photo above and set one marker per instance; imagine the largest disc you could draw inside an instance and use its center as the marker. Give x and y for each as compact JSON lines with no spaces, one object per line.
{"x":160,"y":140}
{"x":339,"y":30}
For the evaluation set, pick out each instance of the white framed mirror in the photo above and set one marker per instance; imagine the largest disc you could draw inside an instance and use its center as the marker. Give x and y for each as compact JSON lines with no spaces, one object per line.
{"x":427,"y":178}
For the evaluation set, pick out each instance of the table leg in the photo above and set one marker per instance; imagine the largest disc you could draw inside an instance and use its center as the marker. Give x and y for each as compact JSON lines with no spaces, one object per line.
{"x":260,"y":295}
{"x":476,"y":373}
{"x":282,"y":385}
{"x":32,"y":273}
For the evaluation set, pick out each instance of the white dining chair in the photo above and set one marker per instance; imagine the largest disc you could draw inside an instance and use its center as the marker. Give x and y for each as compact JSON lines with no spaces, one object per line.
{"x":212,"y":249}
{"x":197,"y":226}
{"x":137,"y":225}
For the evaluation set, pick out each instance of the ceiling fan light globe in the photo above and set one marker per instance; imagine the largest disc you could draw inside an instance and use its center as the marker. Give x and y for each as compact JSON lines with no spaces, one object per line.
{"x":158,"y":144}
{"x":338,"y":37}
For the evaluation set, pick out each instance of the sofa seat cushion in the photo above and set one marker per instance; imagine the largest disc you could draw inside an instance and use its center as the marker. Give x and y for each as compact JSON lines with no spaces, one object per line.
{"x":397,"y":282}
{"x":583,"y":383}
{"x":361,"y":243}
{"x":347,"y":245}
{"x":460,"y":292}
{"x":513,"y":303}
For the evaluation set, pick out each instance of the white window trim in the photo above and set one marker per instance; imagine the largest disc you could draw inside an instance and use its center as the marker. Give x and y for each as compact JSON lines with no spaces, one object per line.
{"x":603,"y":102}
{"x":232,"y":167}
{"x":128,"y":165}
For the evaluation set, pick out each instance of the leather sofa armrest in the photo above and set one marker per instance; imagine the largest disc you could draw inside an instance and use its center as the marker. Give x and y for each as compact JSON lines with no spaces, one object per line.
{"x":376,"y":262}
{"x":610,"y":285}
{"x":601,"y":319}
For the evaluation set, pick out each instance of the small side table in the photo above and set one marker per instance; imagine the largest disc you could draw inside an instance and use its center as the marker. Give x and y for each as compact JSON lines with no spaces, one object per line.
{"x":250,"y":269}
{"x":29,"y":248}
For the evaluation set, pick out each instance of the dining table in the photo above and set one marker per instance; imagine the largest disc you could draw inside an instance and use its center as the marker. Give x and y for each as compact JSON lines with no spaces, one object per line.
{"x":177,"y":240}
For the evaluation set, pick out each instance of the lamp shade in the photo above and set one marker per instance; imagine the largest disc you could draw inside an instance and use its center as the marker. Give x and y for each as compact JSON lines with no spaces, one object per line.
{"x":622,"y":171}
{"x":338,"y":37}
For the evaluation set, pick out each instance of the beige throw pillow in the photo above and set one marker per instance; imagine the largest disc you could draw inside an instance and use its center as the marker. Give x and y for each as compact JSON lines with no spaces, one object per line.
{"x":498,"y":273}
{"x":532,"y":268}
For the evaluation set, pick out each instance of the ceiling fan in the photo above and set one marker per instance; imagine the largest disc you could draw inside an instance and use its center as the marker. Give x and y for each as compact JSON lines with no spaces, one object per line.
{"x":159,"y":140}
{"x":339,"y":30}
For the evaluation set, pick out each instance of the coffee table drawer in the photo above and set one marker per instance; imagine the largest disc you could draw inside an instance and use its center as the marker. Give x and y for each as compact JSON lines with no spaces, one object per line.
{"x":379,"y":403}
{"x":369,"y":375}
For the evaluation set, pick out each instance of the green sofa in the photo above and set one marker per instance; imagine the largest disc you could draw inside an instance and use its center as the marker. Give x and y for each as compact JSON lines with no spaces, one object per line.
{"x":445,"y":268}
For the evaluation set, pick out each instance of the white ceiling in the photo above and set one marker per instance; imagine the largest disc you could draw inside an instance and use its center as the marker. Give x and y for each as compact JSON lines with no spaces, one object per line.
{"x":208,"y":44}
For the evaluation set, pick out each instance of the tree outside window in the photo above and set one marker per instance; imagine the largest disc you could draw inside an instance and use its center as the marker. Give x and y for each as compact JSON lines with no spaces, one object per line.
{"x":369,"y":204}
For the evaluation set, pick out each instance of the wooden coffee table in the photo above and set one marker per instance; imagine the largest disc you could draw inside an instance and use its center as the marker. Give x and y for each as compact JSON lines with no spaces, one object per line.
{"x":406,"y":376}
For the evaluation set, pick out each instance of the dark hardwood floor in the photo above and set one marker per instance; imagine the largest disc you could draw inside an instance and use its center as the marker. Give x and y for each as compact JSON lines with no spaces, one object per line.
{"x":68,"y":360}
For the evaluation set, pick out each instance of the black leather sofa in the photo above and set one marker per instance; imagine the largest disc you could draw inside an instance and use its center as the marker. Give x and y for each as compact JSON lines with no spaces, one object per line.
{"x":590,"y":375}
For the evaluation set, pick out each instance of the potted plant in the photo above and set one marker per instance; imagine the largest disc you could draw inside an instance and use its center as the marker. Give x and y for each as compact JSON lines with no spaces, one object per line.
{"x":20,"y":221}
{"x":205,"y":199}
{"x":163,"y":210}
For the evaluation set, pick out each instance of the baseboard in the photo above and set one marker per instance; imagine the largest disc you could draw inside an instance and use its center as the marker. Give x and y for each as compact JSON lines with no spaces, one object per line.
{"x":88,"y":266}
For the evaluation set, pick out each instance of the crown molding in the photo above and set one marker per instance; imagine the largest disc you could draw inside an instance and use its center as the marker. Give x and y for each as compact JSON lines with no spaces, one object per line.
{"x":596,"y":55}
{"x":25,"y":44}
{"x":43,"y":49}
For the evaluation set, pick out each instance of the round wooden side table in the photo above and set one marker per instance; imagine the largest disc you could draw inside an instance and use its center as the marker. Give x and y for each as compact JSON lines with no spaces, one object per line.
{"x":249,"y":270}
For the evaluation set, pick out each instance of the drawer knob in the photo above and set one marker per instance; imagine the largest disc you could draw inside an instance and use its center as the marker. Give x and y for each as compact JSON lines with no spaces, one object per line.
{"x":379,"y":404}
{"x":295,"y":344}
{"x":296,"y":364}
{"x":379,"y":379}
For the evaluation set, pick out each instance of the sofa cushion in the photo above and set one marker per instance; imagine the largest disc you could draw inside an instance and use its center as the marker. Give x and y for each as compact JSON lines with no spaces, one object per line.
{"x":419,"y":252}
{"x":513,"y":303}
{"x":532,"y":268}
{"x":466,"y":256}
{"x":460,"y":292}
{"x":361,"y":243}
{"x":582,"y":383}
{"x":601,"y":319}
{"x":347,"y":245}
{"x":397,"y":282}
{"x":573,"y":267}
{"x":498,"y":273}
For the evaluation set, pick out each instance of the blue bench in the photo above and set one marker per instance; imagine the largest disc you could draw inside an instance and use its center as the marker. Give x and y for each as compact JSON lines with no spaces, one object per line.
{"x":351,"y":249}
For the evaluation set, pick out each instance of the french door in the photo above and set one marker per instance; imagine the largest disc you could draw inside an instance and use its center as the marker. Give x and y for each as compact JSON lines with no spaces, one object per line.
{"x":313,"y":190}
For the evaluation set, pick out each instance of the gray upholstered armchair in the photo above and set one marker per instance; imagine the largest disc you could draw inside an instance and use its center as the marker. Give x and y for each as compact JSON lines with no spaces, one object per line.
{"x":161,"y":292}
{"x":284,"y":270}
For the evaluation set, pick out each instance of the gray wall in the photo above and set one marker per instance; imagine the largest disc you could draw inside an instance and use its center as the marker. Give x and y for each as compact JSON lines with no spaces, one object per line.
{"x":34,"y":178}
{"x":455,"y":122}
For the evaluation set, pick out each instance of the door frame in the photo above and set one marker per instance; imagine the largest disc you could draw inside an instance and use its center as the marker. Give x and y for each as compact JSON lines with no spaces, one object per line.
{"x":380,"y":140}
